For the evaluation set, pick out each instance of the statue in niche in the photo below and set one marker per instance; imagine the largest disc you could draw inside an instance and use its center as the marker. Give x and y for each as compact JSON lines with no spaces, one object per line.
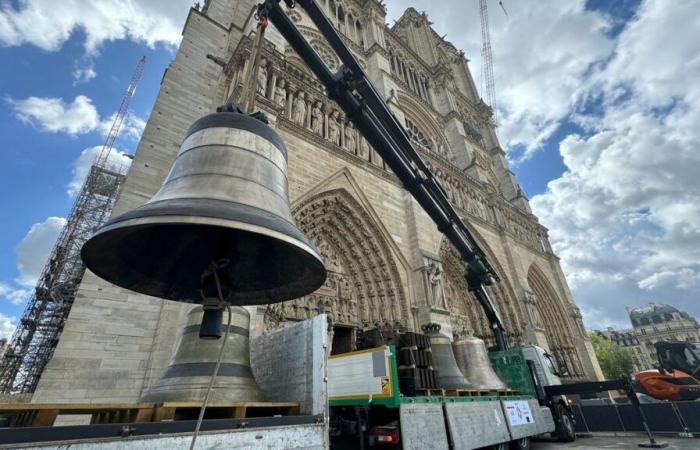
{"x":333,"y":128}
{"x":299,"y":110}
{"x":262,"y":77}
{"x":363,"y":148}
{"x":281,"y":94}
{"x":317,"y":119}
{"x":350,"y":137}
{"x":437,"y":295}
{"x":531,"y":301}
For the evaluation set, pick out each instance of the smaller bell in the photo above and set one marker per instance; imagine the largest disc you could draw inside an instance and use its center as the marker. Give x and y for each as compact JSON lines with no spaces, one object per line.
{"x":449,"y":375}
{"x":473,"y":361}
{"x":188,"y":375}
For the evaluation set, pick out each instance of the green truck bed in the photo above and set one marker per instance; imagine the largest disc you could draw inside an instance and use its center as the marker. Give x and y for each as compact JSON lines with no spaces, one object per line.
{"x":370,"y":376}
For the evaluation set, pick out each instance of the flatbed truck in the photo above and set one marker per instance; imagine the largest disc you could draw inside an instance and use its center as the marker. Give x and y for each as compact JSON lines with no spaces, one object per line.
{"x":367,"y":407}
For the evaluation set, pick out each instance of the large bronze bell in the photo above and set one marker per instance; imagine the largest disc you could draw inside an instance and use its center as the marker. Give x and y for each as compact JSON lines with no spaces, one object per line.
{"x":225,"y":199}
{"x":187,"y":376}
{"x":449,"y":375}
{"x":473,"y":361}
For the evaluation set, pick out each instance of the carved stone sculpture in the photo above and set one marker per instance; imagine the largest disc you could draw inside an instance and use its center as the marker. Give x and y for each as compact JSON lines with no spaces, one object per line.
{"x":317,"y":119}
{"x":262,"y":77}
{"x":333,"y":128}
{"x":437,"y":296}
{"x":350,"y":138}
{"x":363,"y":151}
{"x":299,"y":110}
{"x":281,"y":93}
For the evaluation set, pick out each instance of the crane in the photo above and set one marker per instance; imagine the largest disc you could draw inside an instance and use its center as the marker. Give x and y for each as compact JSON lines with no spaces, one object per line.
{"x":103,"y":156}
{"x":353,"y":91}
{"x":42,"y":322}
{"x":487,"y":57}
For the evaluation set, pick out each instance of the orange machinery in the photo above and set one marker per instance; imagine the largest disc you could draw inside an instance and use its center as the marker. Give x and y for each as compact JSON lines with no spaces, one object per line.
{"x":675,"y":379}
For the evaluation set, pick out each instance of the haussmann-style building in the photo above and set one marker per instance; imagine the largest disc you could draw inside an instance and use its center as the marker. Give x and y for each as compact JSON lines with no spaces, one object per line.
{"x":650,"y":324}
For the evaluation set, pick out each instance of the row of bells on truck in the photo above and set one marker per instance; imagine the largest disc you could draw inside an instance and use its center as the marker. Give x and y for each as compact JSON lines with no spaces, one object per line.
{"x":224,"y":210}
{"x":462,"y":364}
{"x":433,"y":361}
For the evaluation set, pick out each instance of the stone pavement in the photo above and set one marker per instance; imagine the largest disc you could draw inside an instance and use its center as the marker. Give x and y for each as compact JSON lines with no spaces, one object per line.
{"x":616,"y":442}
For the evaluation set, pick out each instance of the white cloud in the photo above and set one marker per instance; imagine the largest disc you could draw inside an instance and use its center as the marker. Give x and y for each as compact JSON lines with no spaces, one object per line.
{"x":683,"y":278}
{"x":83,"y":74}
{"x":118,"y":160}
{"x":78,"y":117}
{"x":48,"y":26}
{"x":625,"y":214}
{"x":34,"y":249}
{"x":624,"y":217}
{"x":542,"y":52}
{"x":18,"y":296}
{"x":132,"y":126}
{"x":14,"y":295}
{"x":54,"y":115}
{"x":7,"y":327}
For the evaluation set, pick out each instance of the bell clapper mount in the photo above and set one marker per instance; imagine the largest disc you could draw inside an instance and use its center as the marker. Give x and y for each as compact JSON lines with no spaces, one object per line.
{"x":212,"y":321}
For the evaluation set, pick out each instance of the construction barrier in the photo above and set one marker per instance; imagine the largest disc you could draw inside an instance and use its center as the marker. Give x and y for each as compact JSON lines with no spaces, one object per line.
{"x":663,"y":418}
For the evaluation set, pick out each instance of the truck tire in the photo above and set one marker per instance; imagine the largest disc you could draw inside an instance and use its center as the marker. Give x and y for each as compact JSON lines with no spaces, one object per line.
{"x":520,"y":444}
{"x":501,"y":446}
{"x":566,"y":431}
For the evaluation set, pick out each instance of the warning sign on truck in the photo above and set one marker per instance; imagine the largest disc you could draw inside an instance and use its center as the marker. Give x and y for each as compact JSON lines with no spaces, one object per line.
{"x":518,"y":412}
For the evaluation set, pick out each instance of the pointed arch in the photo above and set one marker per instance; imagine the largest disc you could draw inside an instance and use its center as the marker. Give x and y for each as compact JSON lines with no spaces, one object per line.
{"x":464,"y":308}
{"x":418,"y":118}
{"x":558,"y":328}
{"x":364,"y":287}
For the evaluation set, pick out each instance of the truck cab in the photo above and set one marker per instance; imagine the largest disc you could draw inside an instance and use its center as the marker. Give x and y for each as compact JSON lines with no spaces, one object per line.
{"x":545,"y":372}
{"x":544,"y":364}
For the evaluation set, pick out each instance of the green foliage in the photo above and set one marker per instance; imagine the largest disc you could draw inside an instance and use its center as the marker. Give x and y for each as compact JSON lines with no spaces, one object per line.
{"x":615,"y":361}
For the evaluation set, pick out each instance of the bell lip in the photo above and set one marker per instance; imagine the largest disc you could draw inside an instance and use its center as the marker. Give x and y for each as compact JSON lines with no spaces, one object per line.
{"x":240,"y":122}
{"x":300,"y":288}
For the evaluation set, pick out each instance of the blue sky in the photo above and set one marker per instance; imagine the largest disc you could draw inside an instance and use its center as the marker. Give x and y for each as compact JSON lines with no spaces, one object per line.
{"x":599,"y":105}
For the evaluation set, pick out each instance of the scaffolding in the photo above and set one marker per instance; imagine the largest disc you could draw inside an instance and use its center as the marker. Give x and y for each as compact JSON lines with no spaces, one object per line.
{"x":42,"y":322}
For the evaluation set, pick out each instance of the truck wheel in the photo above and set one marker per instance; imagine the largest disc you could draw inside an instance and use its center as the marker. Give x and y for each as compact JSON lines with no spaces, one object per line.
{"x":565,"y":432}
{"x":520,"y":444}
{"x":501,"y":446}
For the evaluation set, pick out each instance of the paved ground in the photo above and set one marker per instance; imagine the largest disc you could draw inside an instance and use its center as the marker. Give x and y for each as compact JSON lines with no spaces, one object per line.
{"x":616,"y":442}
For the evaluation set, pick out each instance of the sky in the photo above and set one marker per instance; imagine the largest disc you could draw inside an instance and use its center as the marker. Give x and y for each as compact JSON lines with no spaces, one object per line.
{"x":598,"y":104}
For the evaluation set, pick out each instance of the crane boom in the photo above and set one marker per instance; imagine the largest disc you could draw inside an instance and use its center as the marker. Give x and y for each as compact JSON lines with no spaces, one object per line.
{"x":351,"y":88}
{"x":42,"y":322}
{"x":103,"y":156}
{"x":487,"y":57}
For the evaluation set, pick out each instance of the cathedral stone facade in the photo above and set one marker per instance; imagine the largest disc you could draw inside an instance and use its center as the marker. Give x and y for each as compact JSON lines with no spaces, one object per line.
{"x":388,"y":264}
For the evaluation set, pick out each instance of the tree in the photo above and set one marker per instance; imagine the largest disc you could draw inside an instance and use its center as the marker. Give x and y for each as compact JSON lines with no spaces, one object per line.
{"x":615,"y":361}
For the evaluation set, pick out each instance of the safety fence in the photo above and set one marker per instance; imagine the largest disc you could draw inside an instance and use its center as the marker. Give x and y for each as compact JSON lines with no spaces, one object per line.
{"x":662,"y":418}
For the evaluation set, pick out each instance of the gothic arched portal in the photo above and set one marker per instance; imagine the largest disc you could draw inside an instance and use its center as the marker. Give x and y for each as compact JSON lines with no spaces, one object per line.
{"x":466,"y":312}
{"x":558,"y":329}
{"x":363,"y":288}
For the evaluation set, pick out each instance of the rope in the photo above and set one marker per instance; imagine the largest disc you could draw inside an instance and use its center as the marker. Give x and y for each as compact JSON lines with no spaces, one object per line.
{"x":216,"y":367}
